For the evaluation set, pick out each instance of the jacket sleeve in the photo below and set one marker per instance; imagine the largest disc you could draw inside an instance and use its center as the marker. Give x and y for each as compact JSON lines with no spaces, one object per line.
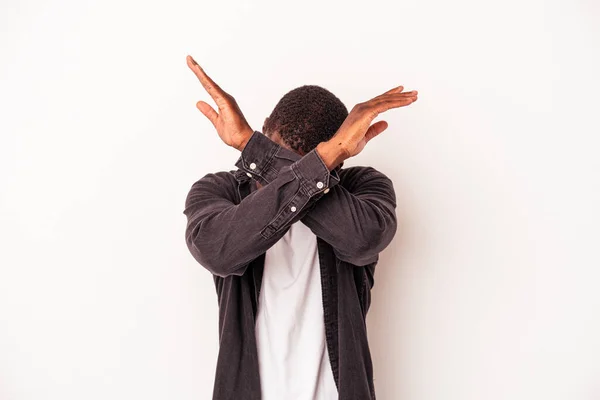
{"x":224,"y":234}
{"x":358,"y":219}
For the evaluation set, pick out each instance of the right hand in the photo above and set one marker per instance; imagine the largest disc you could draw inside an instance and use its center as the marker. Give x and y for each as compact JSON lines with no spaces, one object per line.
{"x":231,"y":125}
{"x":356,"y":130}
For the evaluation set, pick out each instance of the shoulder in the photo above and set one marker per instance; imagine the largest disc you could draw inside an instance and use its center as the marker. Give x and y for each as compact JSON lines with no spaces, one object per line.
{"x":217,"y":178}
{"x":359,"y":173}
{"x":362,"y":179}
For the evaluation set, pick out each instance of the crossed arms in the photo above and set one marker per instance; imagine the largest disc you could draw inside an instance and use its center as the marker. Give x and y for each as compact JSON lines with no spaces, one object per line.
{"x":357,"y":219}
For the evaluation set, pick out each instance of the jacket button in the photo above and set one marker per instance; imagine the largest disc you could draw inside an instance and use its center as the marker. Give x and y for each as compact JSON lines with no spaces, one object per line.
{"x":293,"y":208}
{"x":252,"y":166}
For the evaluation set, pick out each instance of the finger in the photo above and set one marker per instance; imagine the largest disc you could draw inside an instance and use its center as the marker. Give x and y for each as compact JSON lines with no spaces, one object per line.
{"x":396,"y":89}
{"x":208,"y":111}
{"x":209,"y":85}
{"x":395,"y":104}
{"x":391,"y":97}
{"x":375,"y":130}
{"x":372,"y":109}
{"x":396,"y":100}
{"x":393,"y":94}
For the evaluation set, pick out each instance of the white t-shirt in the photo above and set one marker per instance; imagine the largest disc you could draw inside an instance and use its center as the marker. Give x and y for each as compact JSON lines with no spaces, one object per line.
{"x":290,"y":331}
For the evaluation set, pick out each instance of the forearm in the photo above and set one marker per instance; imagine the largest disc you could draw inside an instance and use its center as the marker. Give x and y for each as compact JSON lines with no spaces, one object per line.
{"x":224,"y":236}
{"x":331,"y":155}
{"x":358,"y":221}
{"x":358,"y":224}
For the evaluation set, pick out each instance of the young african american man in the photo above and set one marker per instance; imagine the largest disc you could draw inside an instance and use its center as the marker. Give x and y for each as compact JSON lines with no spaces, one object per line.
{"x":292,"y":240}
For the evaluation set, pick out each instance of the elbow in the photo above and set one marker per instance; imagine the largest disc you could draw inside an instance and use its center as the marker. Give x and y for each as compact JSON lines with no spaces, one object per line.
{"x":364,"y":249}
{"x":213,"y":259}
{"x":384,"y":235}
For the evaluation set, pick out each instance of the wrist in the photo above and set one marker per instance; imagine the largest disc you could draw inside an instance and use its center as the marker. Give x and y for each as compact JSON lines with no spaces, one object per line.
{"x":246,"y":137}
{"x":331,"y":154}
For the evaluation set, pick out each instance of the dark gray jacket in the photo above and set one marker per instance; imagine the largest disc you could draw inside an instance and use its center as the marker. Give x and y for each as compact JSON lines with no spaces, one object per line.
{"x":231,"y":223}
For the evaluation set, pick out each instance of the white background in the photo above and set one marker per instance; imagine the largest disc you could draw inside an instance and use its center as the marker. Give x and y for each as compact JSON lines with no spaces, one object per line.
{"x":490,"y":287}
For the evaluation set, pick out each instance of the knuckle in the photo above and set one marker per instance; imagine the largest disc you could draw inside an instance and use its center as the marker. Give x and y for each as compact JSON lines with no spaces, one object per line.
{"x":374,"y":111}
{"x":359,"y":107}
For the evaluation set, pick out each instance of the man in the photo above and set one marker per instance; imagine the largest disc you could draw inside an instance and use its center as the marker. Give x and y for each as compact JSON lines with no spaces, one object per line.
{"x":292,"y":241}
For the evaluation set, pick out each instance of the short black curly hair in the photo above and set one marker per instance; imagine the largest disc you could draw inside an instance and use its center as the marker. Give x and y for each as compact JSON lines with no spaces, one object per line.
{"x":306,"y":116}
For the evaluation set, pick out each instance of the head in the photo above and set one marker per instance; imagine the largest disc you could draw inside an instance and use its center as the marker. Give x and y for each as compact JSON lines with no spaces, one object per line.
{"x":304,"y":117}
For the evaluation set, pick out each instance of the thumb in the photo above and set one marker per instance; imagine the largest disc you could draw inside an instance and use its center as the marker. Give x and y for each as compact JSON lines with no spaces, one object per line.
{"x":208,"y":111}
{"x":375,"y":129}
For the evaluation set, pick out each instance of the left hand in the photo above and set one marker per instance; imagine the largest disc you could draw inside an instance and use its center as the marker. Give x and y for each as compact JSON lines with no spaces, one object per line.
{"x":230,"y":123}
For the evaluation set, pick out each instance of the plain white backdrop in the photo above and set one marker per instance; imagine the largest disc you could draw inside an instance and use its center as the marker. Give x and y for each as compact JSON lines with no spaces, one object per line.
{"x":490,"y":287}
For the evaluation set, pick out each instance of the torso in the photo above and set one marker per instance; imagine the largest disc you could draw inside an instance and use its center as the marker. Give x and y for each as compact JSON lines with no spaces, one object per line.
{"x":290,"y":333}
